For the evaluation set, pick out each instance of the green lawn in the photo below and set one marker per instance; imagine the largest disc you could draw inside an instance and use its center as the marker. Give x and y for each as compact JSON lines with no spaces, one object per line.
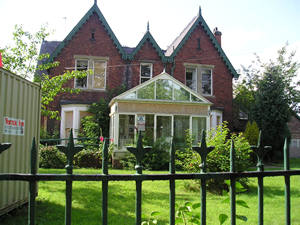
{"x":87,"y":201}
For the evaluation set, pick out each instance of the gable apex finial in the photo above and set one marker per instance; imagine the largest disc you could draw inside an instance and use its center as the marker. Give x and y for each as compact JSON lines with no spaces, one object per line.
{"x":148,"y":28}
{"x":95,"y":2}
{"x":199,"y":14}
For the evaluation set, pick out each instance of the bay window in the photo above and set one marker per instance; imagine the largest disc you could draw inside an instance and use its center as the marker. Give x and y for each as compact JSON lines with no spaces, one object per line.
{"x":96,"y":76}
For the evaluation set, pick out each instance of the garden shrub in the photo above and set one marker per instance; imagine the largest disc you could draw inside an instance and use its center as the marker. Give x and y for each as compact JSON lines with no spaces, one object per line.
{"x":51,"y":157}
{"x":251,"y":132}
{"x":89,"y":129}
{"x":219,"y":159}
{"x":156,"y":159}
{"x":88,"y":159}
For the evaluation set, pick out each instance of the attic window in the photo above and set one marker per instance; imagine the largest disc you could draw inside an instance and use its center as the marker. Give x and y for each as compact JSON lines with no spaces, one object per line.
{"x":92,"y":35}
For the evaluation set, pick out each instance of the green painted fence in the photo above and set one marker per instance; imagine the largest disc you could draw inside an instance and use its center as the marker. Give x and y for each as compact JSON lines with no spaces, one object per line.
{"x":139,"y":177}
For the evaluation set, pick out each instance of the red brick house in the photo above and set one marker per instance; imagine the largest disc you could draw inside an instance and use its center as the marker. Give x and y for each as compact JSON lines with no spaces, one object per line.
{"x":194,"y":64}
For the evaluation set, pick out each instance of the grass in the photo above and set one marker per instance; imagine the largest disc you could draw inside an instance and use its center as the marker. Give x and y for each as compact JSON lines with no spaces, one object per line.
{"x":121,"y":209}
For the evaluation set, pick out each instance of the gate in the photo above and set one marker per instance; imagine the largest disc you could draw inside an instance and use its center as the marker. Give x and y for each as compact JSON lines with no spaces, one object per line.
{"x":70,"y":150}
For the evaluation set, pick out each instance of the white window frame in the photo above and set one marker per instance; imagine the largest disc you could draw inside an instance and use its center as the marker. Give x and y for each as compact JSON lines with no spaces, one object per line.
{"x":196,"y":76}
{"x":91,"y":66}
{"x":211,"y":80}
{"x":75,"y":79}
{"x":214,"y":114}
{"x":199,"y":70}
{"x":151,"y":71}
{"x":105,"y":62}
{"x":76,"y":109}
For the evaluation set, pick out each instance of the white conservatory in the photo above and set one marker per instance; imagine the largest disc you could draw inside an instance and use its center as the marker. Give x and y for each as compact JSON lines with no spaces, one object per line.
{"x":161,"y":107}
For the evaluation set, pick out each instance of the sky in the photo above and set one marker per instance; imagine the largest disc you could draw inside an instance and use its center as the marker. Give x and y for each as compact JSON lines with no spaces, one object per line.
{"x":247,"y":26}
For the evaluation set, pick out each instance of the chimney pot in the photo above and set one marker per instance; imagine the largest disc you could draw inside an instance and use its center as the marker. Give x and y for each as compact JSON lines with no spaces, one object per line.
{"x":218,"y":35}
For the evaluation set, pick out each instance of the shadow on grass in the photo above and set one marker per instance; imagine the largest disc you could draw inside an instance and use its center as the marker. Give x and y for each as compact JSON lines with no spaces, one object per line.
{"x":272,"y":191}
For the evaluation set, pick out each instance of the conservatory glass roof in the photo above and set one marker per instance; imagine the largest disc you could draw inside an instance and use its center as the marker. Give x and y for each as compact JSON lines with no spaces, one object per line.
{"x":163,"y":87}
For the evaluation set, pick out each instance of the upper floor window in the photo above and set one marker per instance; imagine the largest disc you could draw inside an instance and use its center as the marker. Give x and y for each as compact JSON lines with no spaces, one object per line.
{"x":96,"y":79}
{"x":198,"y":77}
{"x":81,"y":65}
{"x":206,"y":81}
{"x":145,"y":72}
{"x":191,"y":78}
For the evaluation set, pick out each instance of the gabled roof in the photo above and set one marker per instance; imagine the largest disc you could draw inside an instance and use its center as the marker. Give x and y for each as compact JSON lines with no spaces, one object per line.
{"x":129,"y":53}
{"x":179,"y":42}
{"x":47,"y":47}
{"x":184,"y":93}
{"x":148,"y":37}
{"x":93,"y":9}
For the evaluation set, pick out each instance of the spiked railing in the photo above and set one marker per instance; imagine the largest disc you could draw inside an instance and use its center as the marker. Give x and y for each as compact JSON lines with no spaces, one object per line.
{"x":203,"y":151}
{"x":70,"y":150}
{"x":139,"y":152}
{"x":260,"y":152}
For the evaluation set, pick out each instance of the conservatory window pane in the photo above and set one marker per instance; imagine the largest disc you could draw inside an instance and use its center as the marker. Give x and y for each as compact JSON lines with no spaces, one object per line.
{"x":148,"y":134}
{"x":146,"y":92}
{"x":126,"y":130}
{"x":198,"y":124}
{"x":131,"y":95}
{"x":181,"y":124}
{"x":164,"y":89}
{"x":196,"y":99}
{"x":180,"y":94}
{"x":163,"y":126}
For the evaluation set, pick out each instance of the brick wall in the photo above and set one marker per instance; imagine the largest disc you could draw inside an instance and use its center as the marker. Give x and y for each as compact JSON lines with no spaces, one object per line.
{"x":121,"y":72}
{"x":222,"y":79}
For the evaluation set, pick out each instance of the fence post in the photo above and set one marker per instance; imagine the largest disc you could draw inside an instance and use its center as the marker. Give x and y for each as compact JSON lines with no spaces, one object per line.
{"x":232,"y":185}
{"x":203,"y":150}
{"x":104,"y":182}
{"x":32,"y":184}
{"x":260,"y":152}
{"x":139,"y":153}
{"x":70,"y":150}
{"x":172,"y":184}
{"x":287,"y":183}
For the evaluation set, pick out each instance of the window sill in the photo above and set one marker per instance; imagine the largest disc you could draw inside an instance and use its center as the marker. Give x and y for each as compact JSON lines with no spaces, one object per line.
{"x":91,"y":89}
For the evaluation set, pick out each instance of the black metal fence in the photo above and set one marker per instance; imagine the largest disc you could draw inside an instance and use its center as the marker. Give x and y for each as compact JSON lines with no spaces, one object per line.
{"x":70,"y":150}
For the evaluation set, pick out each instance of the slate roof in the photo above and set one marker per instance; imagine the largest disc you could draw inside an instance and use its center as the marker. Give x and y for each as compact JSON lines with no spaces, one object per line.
{"x":128,"y":50}
{"x":177,"y":40}
{"x":46,"y":47}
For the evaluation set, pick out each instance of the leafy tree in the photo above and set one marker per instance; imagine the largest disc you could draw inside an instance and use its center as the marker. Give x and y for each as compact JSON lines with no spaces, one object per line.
{"x":22,"y":57}
{"x":271,"y":110}
{"x":286,"y":68}
{"x":269,"y":94}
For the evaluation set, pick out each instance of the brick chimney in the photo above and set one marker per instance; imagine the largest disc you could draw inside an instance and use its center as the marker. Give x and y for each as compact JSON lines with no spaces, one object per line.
{"x":218,"y":35}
